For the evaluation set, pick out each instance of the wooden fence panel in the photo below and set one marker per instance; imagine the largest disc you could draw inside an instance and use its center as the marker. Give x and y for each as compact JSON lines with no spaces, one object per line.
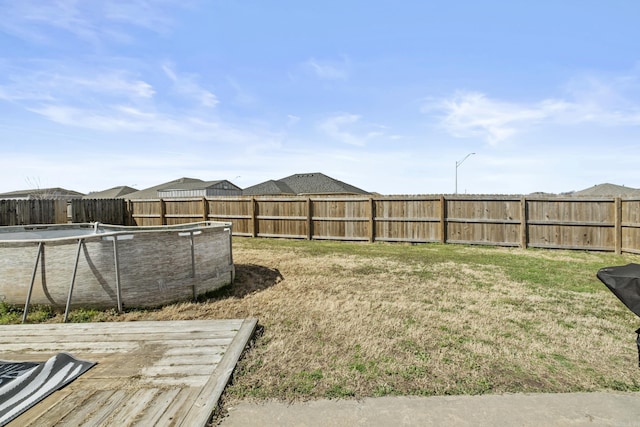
{"x":27,"y":212}
{"x":238,"y":211}
{"x":492,"y":221}
{"x":147,"y":212}
{"x":572,"y":224}
{"x":183,"y":211}
{"x":282,"y":217}
{"x":407,"y":219}
{"x":630,"y":223}
{"x":61,"y":212}
{"x":108,"y":211}
{"x":8,"y":214}
{"x":35,"y":211}
{"x":340,"y":218}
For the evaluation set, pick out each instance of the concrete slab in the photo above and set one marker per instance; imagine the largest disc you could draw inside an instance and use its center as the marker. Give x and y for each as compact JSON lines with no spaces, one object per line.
{"x":572,"y":409}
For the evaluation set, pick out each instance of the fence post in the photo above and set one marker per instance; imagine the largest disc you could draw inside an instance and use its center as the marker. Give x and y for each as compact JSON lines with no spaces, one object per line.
{"x":372,"y":220}
{"x":163,"y":212}
{"x":254,"y":219}
{"x":524,"y":228}
{"x":128,"y":214}
{"x":443,"y":219}
{"x":618,"y":225}
{"x":309,"y":219}
{"x":67,"y":208}
{"x":205,"y":209}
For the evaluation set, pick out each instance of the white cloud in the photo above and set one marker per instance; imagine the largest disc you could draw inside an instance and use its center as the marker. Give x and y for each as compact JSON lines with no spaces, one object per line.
{"x":149,"y":14}
{"x":609,"y":101}
{"x":186,"y":84}
{"x":587,"y":101}
{"x":111,"y":83}
{"x":243,"y":96}
{"x":149,"y":124}
{"x":113,"y":119}
{"x":473,"y":114}
{"x":329,"y":70}
{"x":89,"y":21}
{"x":113,"y":100}
{"x":292,"y":119}
{"x":48,"y":82}
{"x":119,"y":83}
{"x":348,"y":129}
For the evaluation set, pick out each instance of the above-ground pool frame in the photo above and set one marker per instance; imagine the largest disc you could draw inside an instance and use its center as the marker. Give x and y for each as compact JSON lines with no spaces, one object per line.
{"x":92,"y":231}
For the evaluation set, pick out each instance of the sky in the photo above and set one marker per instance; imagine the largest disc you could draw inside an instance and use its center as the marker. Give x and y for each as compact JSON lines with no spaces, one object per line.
{"x":389,"y":96}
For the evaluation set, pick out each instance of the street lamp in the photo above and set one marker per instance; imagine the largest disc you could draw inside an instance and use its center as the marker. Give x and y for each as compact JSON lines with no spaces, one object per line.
{"x":458,"y":163}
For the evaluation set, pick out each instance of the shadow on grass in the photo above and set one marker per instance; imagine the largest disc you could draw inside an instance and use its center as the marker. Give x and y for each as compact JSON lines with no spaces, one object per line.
{"x":250,"y":278}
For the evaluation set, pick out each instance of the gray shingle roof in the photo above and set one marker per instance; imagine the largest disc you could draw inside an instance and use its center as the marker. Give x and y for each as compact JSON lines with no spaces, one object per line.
{"x":303,"y":183}
{"x":196,"y":185}
{"x":609,"y":190}
{"x":111,"y":193}
{"x":270,"y":187}
{"x":318,"y":183}
{"x":48,"y":193}
{"x":178,"y":184}
{"x":152,"y":192}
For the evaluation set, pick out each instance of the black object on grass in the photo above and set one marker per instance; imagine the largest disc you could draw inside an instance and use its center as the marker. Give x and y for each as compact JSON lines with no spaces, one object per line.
{"x":624,"y":282}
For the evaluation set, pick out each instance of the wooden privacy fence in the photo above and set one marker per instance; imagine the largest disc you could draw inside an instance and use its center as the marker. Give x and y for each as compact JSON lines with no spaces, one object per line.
{"x":36,"y":211}
{"x":54,"y":211}
{"x":602,"y":224}
{"x":108,"y":211}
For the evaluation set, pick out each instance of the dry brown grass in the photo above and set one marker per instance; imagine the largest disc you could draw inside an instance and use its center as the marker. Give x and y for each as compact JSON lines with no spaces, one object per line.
{"x":353,"y":320}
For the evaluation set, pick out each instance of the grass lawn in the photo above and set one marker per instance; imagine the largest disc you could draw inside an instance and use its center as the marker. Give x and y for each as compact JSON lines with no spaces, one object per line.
{"x":343,"y":320}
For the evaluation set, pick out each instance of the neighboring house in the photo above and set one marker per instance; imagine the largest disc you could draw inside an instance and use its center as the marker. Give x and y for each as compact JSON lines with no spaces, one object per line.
{"x":112,"y":193}
{"x":42,"y":193}
{"x":187,"y":187}
{"x":204,"y":189}
{"x":608,"y":190}
{"x":303,"y":184}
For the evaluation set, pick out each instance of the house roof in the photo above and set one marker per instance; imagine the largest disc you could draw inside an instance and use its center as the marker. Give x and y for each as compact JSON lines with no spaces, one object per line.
{"x":304,"y":183}
{"x":608,"y":190}
{"x":44,"y":193}
{"x":152,"y":192}
{"x":192,"y":185}
{"x":270,"y":187}
{"x":111,"y":193}
{"x":178,"y":184}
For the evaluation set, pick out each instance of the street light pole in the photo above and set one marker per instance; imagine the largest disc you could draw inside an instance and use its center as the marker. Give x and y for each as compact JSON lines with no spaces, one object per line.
{"x":458,"y":163}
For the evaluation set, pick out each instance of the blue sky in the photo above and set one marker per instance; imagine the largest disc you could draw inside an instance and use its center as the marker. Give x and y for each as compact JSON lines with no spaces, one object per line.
{"x":384,"y":95}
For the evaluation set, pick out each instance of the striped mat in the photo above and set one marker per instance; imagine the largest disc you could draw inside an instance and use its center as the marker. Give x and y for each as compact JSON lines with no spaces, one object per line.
{"x":23,"y":384}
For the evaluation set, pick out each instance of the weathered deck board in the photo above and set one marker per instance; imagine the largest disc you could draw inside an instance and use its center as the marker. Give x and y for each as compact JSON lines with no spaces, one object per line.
{"x":98,"y":346}
{"x":148,"y":373}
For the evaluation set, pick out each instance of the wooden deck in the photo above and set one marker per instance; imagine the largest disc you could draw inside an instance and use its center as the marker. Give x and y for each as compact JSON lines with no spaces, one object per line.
{"x":148,"y":373}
